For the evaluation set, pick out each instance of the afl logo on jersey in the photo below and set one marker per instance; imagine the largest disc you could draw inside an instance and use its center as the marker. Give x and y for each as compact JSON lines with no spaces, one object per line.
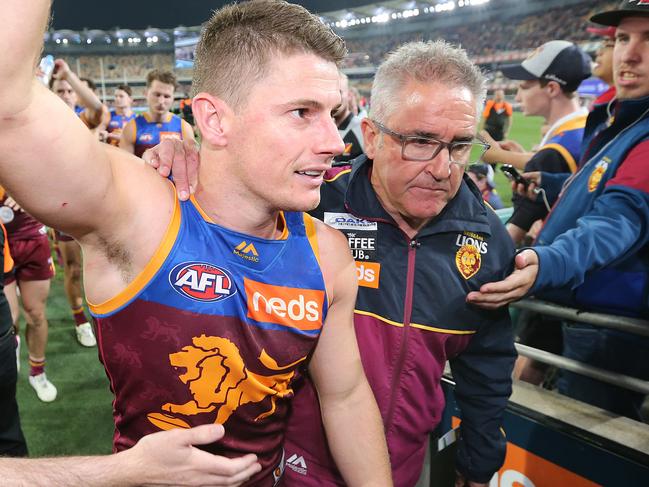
{"x":202,"y":282}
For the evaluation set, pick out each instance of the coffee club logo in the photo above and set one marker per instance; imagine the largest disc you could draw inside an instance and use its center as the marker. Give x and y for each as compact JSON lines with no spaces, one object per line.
{"x":201,"y":281}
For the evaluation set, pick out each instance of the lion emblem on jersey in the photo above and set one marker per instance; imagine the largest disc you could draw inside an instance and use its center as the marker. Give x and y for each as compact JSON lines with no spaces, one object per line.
{"x":468,"y":260}
{"x":596,"y":175}
{"x":219,"y":381}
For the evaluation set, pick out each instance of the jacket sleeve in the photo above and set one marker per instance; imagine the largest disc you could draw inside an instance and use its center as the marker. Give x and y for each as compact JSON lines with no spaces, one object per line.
{"x":616,"y":226}
{"x":552,"y":184}
{"x":483,"y":384}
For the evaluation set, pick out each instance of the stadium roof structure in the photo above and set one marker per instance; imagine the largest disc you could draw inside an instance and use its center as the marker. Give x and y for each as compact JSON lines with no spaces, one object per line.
{"x":381,"y":12}
{"x":164,"y":14}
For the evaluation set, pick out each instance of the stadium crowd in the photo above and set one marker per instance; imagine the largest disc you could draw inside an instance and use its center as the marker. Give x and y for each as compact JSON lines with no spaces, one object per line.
{"x":483,"y":39}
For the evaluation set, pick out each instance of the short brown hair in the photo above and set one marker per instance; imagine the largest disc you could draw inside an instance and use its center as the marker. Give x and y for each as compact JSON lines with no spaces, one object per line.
{"x":125,"y":88}
{"x":91,"y":84}
{"x":237,"y":43}
{"x":166,"y":77}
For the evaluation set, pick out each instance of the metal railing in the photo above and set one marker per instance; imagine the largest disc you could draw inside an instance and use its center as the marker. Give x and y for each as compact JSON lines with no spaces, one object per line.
{"x":621,"y":323}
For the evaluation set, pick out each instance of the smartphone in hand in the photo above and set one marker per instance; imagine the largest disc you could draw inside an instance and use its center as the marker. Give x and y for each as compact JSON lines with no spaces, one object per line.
{"x":513,"y":175}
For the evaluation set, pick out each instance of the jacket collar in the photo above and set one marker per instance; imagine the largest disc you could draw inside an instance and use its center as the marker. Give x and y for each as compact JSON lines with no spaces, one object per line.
{"x":623,"y":112}
{"x":465,"y":212}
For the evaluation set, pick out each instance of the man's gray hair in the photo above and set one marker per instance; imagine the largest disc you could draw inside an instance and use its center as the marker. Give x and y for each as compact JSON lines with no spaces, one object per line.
{"x":425,"y":62}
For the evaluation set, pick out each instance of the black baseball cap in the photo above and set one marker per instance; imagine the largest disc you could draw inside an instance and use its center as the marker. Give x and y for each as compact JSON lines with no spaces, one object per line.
{"x":627,"y":8}
{"x":560,"y":61}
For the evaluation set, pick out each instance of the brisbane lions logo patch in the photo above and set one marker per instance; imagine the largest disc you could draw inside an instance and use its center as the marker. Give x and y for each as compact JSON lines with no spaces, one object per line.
{"x":596,"y":175}
{"x":468,"y":261}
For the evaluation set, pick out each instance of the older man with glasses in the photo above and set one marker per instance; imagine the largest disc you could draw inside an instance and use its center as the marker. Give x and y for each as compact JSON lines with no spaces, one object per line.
{"x":422,"y":238}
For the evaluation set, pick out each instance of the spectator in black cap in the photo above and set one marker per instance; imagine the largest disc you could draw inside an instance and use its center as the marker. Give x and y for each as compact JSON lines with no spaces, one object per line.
{"x":593,"y":251}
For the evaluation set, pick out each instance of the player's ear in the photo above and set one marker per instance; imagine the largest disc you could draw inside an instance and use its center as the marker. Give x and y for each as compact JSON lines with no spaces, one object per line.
{"x":370,"y":137}
{"x":212,"y":116}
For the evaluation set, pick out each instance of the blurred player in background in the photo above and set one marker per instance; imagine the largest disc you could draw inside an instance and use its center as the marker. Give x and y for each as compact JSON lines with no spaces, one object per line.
{"x":31,"y":274}
{"x":349,"y":125}
{"x":120,"y":114}
{"x":158,"y":123}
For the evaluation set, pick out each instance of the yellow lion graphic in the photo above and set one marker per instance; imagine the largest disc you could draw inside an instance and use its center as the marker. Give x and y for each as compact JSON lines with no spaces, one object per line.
{"x":219,"y":380}
{"x":468,"y":260}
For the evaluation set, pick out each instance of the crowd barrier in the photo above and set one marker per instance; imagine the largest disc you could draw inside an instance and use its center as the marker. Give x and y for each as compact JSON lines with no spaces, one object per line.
{"x":553,"y":440}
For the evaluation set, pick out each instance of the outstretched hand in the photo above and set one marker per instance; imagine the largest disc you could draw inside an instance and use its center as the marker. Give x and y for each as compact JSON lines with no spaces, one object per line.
{"x":61,"y":69}
{"x":169,"y":458}
{"x":180,"y":158}
{"x":496,"y":294}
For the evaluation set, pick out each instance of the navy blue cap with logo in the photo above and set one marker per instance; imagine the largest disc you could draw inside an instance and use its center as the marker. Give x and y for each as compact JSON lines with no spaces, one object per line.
{"x":559,"y":61}
{"x":627,"y":8}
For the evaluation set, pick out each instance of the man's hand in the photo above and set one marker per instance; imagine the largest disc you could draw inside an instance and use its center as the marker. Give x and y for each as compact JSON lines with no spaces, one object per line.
{"x":61,"y":70}
{"x":169,"y":458}
{"x":177,"y":157}
{"x":533,"y":186}
{"x":496,"y":294}
{"x":461,"y":481}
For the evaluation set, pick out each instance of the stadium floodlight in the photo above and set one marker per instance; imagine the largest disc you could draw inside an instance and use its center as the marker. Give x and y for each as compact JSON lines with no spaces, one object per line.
{"x":445,"y":7}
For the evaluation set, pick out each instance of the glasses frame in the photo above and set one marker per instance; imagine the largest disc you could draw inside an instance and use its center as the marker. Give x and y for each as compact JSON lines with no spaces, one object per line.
{"x":478,"y":142}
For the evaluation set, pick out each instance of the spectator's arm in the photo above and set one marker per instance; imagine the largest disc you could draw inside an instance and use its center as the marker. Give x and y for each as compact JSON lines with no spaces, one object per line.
{"x":617,"y":225}
{"x":94,"y":108}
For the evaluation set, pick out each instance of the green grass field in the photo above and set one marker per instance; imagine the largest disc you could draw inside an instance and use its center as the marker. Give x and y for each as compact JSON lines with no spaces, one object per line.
{"x":79,"y":422}
{"x":526,"y":131}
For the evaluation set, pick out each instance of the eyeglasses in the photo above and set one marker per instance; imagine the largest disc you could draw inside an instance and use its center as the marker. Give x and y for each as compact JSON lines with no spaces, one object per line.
{"x":419,"y":148}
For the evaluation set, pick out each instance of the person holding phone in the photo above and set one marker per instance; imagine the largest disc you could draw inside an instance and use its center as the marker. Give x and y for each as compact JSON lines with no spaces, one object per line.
{"x":548,"y":83}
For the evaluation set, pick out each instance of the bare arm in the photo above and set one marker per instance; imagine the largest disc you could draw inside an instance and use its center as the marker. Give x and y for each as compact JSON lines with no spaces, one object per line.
{"x":58,"y":171}
{"x":164,"y":458}
{"x":504,"y":153}
{"x":127,"y":140}
{"x":349,"y":412}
